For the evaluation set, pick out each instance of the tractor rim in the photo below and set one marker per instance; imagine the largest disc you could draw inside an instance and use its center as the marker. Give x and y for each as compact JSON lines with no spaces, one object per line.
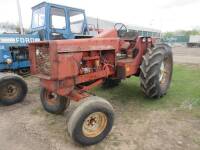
{"x":164,"y":72}
{"x":10,"y":91}
{"x":94,"y":124}
{"x":51,"y":98}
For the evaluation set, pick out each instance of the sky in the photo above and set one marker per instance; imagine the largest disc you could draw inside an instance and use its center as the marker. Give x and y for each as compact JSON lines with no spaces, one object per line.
{"x":165,"y":15}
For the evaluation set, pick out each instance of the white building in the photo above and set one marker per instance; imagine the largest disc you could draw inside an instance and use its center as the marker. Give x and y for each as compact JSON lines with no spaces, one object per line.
{"x":104,"y":24}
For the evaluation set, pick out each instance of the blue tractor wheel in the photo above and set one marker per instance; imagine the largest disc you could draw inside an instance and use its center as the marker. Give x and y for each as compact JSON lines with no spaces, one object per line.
{"x":13,"y":89}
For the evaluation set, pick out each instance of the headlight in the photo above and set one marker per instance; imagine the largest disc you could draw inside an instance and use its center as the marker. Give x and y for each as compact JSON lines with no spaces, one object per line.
{"x":9,"y":61}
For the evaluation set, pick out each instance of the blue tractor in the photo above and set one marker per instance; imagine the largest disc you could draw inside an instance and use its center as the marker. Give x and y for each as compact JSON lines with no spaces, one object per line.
{"x":49,"y":22}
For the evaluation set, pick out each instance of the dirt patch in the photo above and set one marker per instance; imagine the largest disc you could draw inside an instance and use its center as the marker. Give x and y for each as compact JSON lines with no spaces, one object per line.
{"x":27,"y":126}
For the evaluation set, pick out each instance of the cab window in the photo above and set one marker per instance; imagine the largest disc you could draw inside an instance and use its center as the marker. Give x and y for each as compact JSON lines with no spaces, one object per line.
{"x":76,"y":21}
{"x":38,"y":18}
{"x":58,"y":20}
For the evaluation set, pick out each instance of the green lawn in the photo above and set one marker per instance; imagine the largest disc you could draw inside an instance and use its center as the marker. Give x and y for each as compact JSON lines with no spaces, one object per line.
{"x":184,"y":93}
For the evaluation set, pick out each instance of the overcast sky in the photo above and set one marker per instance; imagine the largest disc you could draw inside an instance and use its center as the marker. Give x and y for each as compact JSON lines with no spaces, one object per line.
{"x":166,"y":15}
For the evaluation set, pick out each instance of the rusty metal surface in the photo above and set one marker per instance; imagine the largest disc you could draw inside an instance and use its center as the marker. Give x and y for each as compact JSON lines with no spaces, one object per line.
{"x":125,"y":68}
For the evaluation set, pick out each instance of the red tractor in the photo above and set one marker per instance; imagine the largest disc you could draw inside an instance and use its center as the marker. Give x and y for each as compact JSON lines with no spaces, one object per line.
{"x":69,"y":68}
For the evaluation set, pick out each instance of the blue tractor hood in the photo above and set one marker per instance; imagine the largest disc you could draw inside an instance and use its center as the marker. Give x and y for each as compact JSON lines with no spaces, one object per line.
{"x":17,"y":39}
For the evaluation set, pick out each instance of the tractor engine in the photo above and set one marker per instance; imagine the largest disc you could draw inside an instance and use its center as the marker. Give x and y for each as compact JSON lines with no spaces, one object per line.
{"x":19,"y":53}
{"x":96,"y":61}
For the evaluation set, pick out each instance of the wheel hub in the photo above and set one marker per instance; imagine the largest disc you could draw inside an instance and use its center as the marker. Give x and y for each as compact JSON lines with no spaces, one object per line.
{"x":94,"y":124}
{"x":10,"y":91}
{"x":51,"y":98}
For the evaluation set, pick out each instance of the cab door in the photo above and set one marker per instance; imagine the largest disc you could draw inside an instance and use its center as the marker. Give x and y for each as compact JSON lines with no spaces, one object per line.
{"x":58,"y":23}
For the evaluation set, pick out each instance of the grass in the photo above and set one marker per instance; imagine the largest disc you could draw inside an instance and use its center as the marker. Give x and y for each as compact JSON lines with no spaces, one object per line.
{"x":197,"y":140}
{"x":34,"y":90}
{"x":184,"y":92}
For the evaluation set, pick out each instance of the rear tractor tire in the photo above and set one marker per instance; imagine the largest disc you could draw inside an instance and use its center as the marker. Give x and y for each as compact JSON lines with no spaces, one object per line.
{"x":156,"y":71}
{"x":52,"y":102}
{"x":91,"y":121}
{"x":13,"y":89}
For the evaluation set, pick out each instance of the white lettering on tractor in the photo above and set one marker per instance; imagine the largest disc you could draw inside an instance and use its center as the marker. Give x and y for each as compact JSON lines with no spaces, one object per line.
{"x":7,"y":40}
{"x":22,"y":40}
{"x":18,"y":40}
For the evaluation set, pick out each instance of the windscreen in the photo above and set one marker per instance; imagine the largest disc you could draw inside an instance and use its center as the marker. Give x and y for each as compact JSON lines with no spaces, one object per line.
{"x":38,"y":17}
{"x":58,"y":20}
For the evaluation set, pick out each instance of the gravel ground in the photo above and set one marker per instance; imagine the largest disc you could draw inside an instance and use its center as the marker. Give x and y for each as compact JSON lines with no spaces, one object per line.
{"x":26,"y":126}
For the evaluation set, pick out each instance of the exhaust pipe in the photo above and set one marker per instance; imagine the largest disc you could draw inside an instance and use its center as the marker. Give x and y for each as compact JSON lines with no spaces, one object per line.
{"x":20,"y":18}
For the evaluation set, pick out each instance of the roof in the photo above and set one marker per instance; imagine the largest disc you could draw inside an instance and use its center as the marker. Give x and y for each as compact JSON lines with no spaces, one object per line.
{"x":56,"y":5}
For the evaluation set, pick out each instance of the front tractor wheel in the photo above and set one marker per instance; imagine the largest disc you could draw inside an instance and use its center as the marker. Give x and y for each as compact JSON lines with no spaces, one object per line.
{"x":156,"y":71}
{"x":91,"y":121}
{"x":52,"y":102}
{"x":13,"y":89}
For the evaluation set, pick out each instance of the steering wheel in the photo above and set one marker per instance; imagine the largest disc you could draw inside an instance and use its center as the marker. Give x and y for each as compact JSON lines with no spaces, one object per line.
{"x":120,"y":27}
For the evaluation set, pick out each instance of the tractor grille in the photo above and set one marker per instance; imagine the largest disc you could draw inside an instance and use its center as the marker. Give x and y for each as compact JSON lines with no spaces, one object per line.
{"x":43,"y":60}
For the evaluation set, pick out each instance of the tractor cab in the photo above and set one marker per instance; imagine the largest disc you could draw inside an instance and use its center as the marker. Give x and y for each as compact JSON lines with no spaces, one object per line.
{"x":54,"y":22}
